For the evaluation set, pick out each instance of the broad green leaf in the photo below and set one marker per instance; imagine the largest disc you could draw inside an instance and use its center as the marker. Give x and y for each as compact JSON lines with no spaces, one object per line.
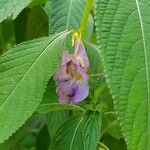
{"x":24,"y":73}
{"x":91,"y":130}
{"x":45,"y":108}
{"x":82,"y":132}
{"x":65,"y":14}
{"x":124,"y":35}
{"x":12,"y":8}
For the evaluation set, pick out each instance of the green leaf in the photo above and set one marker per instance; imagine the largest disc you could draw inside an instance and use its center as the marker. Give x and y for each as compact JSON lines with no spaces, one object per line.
{"x":12,"y":8}
{"x":123,"y":34}
{"x":79,"y":132}
{"x":91,"y":130}
{"x":45,"y":108}
{"x":24,"y":73}
{"x":65,"y":15}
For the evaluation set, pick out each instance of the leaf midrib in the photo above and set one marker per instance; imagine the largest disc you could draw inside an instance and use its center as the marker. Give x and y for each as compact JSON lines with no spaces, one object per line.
{"x":69,"y":12}
{"x":75,"y":131}
{"x":52,"y":42}
{"x":146,"y":62}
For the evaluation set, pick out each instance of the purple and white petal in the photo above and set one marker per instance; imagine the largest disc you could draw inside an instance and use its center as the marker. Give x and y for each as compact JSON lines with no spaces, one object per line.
{"x":80,"y":92}
{"x":64,"y":90}
{"x":61,"y":74}
{"x":72,"y":78}
{"x":81,"y":56}
{"x":66,"y":58}
{"x":82,"y":71}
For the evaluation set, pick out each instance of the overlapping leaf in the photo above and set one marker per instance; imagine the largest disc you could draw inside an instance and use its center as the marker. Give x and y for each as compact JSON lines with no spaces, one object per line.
{"x":124,"y":35}
{"x":24,"y":73}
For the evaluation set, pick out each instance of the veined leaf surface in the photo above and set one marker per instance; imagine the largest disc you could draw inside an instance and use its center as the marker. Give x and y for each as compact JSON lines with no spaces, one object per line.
{"x":65,"y":14}
{"x":24,"y":73}
{"x":82,"y":132}
{"x":124,"y":36}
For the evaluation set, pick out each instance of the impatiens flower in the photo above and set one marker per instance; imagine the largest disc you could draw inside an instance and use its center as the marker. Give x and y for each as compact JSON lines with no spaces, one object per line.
{"x":72,"y":78}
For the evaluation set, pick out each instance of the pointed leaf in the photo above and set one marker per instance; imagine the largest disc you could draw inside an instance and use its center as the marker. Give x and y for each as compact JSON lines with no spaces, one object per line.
{"x":24,"y":73}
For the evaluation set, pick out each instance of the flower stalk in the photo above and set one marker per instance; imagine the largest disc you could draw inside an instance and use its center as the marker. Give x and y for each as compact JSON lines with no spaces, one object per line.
{"x":85,"y":16}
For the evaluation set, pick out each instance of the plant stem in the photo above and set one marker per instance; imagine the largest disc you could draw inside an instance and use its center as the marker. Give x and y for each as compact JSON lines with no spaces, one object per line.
{"x":85,"y":16}
{"x":104,"y":146}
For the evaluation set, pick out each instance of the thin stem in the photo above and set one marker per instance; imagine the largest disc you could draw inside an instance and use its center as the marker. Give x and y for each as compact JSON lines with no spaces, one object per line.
{"x":104,"y":146}
{"x":109,"y":112}
{"x":85,"y":16}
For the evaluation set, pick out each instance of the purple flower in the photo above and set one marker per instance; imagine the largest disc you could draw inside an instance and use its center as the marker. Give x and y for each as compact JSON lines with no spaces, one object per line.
{"x":72,"y":78}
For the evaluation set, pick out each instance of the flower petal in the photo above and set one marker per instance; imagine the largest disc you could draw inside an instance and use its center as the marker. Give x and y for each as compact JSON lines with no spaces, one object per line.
{"x":82,"y":71}
{"x":80,"y":92}
{"x":81,"y":56}
{"x":64,"y":90}
{"x":66,"y":58}
{"x":61,"y":74}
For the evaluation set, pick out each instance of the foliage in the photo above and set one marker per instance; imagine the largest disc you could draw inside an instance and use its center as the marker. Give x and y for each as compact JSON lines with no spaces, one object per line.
{"x":115,"y":115}
{"x":125,"y":53}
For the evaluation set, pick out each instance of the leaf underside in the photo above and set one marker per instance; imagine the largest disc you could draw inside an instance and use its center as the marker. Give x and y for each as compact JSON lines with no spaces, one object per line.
{"x":24,"y":73}
{"x":124,"y":35}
